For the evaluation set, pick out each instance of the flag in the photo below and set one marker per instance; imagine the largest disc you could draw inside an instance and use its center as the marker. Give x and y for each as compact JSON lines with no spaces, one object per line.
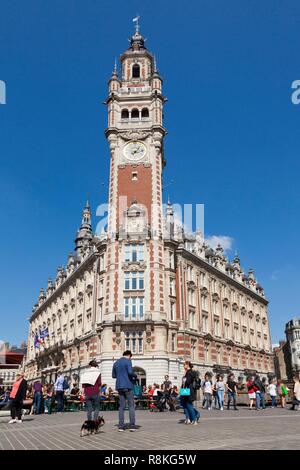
{"x":36,"y":341}
{"x":44,"y":333}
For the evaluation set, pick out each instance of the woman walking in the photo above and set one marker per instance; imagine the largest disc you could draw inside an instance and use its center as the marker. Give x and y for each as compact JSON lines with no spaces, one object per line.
{"x":17,"y":396}
{"x":188,"y":395}
{"x":220,"y":391}
{"x":251,"y":392}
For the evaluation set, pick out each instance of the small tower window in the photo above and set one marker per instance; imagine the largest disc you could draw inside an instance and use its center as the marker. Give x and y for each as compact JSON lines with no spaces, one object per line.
{"x":135,"y":114}
{"x":134,"y":176}
{"x":125,"y":114}
{"x":136,"y":71}
{"x":145,"y":112}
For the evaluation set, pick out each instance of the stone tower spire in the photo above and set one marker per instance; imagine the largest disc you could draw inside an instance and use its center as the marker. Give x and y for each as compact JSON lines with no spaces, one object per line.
{"x":85,"y":232}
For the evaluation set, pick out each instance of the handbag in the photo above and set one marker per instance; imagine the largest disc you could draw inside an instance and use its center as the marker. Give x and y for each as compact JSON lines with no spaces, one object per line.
{"x":185,"y":392}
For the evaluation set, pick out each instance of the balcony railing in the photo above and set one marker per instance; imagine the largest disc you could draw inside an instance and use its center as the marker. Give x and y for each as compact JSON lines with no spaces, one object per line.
{"x":139,"y":318}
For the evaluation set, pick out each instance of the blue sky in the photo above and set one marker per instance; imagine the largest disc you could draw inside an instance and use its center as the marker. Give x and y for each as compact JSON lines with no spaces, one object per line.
{"x":232,"y":143}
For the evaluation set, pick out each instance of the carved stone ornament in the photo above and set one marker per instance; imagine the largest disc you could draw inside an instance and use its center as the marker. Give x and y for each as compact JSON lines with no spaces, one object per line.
{"x":135,"y":135}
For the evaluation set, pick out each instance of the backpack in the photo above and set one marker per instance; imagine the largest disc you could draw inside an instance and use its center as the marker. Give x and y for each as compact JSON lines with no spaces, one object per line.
{"x":65,"y":385}
{"x":196,"y":381}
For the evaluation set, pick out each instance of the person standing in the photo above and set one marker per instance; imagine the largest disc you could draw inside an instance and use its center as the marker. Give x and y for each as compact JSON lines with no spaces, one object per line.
{"x":92,"y":392}
{"x":17,"y":395}
{"x":220,"y":391}
{"x":251,"y":392}
{"x":37,"y":397}
{"x":188,"y":388}
{"x":232,"y":391}
{"x":123,"y":373}
{"x":207,"y":388}
{"x":272,"y":390}
{"x":259,"y":393}
{"x":263,"y":393}
{"x":48,"y":398}
{"x":59,"y":388}
{"x":284,"y":393}
{"x":166,"y":385}
{"x":296,"y":399}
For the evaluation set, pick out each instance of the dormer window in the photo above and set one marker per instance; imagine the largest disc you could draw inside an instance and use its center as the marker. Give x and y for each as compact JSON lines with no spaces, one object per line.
{"x":136,"y":71}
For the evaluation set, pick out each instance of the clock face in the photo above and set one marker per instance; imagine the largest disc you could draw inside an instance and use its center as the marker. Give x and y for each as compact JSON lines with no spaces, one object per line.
{"x":135,"y":150}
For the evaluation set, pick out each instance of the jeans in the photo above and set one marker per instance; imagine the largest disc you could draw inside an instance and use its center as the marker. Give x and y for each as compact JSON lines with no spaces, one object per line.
{"x":258,"y":400}
{"x":37,"y":400}
{"x":273,"y":398}
{"x":220,"y":396}
{"x":263,"y":400}
{"x":231,"y":395}
{"x":48,"y":405}
{"x":207,"y":398}
{"x":126,"y":395}
{"x":191,"y":413}
{"x":60,"y":401}
{"x":93,"y":403}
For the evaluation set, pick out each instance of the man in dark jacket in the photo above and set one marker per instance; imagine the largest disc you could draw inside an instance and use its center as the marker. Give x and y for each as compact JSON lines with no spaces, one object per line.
{"x":17,"y":396}
{"x":123,"y":372}
{"x":259,"y":392}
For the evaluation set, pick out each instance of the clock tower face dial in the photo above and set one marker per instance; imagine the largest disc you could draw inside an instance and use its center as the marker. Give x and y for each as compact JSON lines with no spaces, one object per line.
{"x":134,"y":151}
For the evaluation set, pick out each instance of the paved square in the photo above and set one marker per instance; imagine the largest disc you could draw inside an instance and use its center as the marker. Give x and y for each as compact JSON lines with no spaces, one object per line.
{"x":243,"y":429}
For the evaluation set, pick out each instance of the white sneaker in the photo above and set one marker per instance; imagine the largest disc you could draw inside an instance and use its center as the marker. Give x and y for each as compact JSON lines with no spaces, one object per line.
{"x":209,"y":409}
{"x":222,"y":409}
{"x":195,"y":423}
{"x":187,"y":421}
{"x":12,"y":421}
{"x":19,"y":421}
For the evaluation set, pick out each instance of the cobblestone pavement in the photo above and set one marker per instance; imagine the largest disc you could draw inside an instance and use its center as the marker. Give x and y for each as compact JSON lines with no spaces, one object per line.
{"x":243,"y":429}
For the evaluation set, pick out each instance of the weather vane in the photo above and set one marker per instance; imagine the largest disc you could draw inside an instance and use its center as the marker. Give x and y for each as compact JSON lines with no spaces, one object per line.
{"x":137,"y":25}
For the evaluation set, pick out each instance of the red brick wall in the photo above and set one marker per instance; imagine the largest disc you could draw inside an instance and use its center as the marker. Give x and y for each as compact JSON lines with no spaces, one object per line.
{"x":139,"y":190}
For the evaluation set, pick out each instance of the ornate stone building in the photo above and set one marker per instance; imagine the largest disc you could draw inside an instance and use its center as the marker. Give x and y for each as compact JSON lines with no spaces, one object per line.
{"x":287,"y":354}
{"x":143,"y":284}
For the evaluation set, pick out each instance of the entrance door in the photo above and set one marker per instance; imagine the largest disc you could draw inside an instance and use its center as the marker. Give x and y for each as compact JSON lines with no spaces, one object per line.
{"x":141,"y":376}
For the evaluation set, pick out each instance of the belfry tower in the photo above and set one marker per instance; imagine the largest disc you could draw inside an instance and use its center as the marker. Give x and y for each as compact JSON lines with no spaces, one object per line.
{"x":134,"y":303}
{"x":135,"y":134}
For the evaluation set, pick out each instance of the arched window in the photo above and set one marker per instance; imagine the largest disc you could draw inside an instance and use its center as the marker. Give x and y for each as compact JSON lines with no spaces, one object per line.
{"x":136,"y":71}
{"x":135,"y":114}
{"x":145,"y":112}
{"x":125,"y":114}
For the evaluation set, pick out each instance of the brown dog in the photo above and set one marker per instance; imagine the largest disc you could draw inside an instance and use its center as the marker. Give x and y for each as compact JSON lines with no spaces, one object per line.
{"x":92,"y":426}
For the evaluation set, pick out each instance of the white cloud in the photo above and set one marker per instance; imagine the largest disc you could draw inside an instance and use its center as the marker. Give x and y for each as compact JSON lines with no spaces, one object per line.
{"x":225,"y":241}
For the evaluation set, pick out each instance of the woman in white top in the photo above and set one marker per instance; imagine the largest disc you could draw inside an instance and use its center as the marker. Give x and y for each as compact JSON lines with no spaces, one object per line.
{"x":220,"y":391}
{"x":272,"y":391}
{"x":207,"y":388}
